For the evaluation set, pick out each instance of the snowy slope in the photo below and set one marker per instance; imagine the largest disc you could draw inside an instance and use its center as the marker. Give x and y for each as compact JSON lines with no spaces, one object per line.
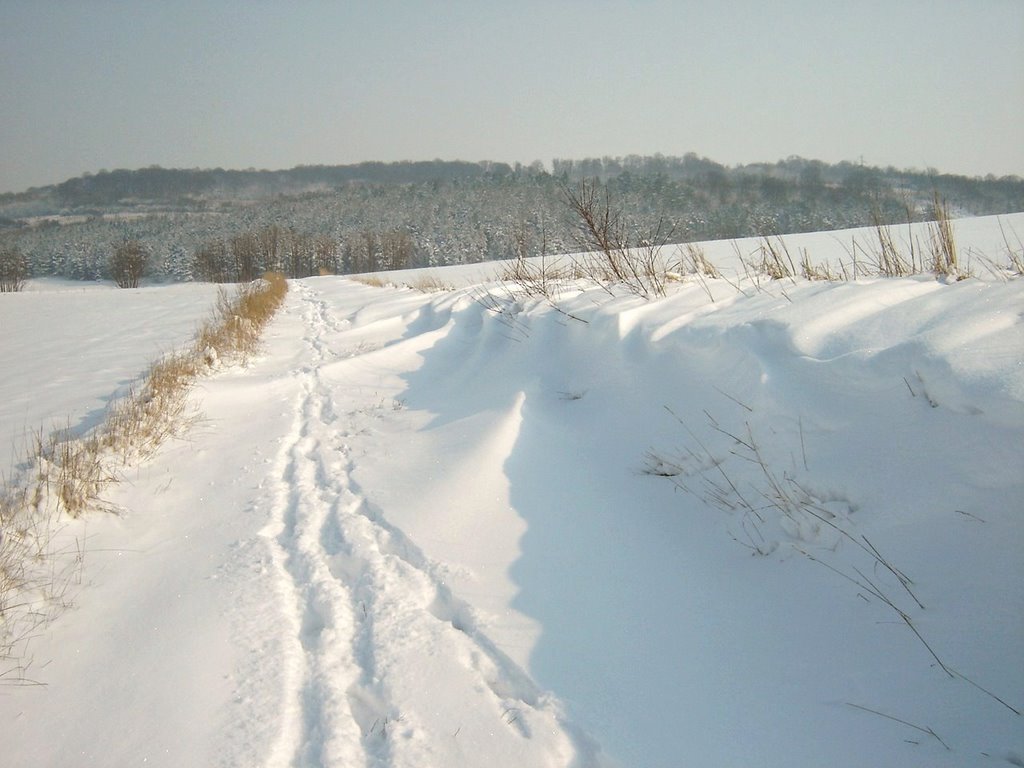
{"x":419,"y":531}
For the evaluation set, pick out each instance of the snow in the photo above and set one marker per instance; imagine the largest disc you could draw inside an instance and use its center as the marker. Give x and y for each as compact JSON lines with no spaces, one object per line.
{"x":417,"y":531}
{"x":71,"y":347}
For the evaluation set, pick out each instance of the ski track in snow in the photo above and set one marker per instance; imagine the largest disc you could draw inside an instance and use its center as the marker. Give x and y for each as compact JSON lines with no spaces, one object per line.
{"x":373,"y":625}
{"x":424,"y":530}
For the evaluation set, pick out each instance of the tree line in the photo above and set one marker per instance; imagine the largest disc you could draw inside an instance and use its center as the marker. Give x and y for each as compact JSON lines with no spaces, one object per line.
{"x":246,"y":256}
{"x":393,"y":216}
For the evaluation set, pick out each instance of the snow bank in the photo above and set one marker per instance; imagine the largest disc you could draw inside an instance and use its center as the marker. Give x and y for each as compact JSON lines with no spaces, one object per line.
{"x":778,"y":528}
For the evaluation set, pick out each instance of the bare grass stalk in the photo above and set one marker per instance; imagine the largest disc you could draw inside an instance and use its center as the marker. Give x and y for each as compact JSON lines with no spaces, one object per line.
{"x":542,"y":278}
{"x":697,"y":262}
{"x":922,"y":729}
{"x":539,"y":278}
{"x":776,"y":261}
{"x":800,"y":512}
{"x":811,"y":271}
{"x":889,"y":260}
{"x":505,"y":307}
{"x":944,"y":255}
{"x":1014,"y":254}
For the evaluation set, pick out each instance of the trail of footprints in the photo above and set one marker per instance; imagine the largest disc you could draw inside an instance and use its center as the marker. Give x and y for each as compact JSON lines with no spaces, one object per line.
{"x":374,"y":623}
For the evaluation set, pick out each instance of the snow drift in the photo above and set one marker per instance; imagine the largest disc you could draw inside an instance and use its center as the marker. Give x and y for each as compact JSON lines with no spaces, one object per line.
{"x":753,"y":522}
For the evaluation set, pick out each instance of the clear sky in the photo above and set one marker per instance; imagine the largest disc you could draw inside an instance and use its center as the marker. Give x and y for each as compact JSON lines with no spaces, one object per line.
{"x":87,"y":85}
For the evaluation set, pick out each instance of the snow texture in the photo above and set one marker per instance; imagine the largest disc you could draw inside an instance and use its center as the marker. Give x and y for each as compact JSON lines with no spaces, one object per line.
{"x":780,"y":528}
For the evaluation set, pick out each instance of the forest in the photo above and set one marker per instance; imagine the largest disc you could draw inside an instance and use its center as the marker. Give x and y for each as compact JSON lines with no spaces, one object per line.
{"x":231,"y":225}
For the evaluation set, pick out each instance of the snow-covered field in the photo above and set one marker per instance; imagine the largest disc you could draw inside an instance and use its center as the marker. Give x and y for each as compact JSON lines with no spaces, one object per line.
{"x":69,"y":348}
{"x":782,"y":527}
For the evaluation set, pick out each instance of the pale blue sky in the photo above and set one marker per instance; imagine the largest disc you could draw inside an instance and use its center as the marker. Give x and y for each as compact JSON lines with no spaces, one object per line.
{"x":88,"y":85}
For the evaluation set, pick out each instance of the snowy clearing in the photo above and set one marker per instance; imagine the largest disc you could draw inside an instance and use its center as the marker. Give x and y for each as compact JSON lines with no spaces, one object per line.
{"x":779,"y":528}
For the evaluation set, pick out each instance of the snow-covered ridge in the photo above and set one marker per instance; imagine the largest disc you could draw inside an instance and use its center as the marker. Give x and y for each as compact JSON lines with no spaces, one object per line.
{"x":781,"y":528}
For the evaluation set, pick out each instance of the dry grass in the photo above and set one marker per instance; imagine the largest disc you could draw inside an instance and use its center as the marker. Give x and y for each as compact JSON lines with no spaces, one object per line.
{"x":811,"y":271}
{"x":889,"y":260}
{"x":612,"y":254}
{"x":771,"y":506}
{"x":35,"y":579}
{"x":63,"y":475}
{"x":696,"y":262}
{"x":430,"y":284}
{"x":776,"y":261}
{"x":693,"y":261}
{"x":945,"y":257}
{"x":1014,"y":253}
{"x":543,"y":277}
{"x":370,"y":280}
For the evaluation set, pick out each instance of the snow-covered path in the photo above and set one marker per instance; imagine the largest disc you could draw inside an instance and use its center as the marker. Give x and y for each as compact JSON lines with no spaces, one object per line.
{"x":386,"y":667}
{"x":463,"y":529}
{"x":269,"y":597}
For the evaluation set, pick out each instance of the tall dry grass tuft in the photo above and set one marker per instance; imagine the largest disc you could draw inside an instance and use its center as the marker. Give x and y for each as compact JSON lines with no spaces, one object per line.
{"x":811,"y":271}
{"x":236,"y":325}
{"x":63,"y":475}
{"x":696,"y":262}
{"x":370,"y":280}
{"x":889,"y":260}
{"x":776,"y":260}
{"x":945,"y":258}
{"x":1014,"y":254}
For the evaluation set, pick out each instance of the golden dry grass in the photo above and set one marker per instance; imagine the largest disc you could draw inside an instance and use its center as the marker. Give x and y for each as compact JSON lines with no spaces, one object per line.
{"x":370,"y":280}
{"x":430,"y":284}
{"x":65,"y":475}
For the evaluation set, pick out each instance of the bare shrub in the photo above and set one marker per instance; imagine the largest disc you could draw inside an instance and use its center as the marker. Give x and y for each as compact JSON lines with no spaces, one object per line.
{"x":13,"y":269}
{"x":128,"y":263}
{"x":538,"y":278}
{"x":632,"y":261}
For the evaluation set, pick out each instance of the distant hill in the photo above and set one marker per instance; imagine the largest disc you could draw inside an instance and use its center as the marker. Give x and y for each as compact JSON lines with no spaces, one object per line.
{"x":185,"y":187}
